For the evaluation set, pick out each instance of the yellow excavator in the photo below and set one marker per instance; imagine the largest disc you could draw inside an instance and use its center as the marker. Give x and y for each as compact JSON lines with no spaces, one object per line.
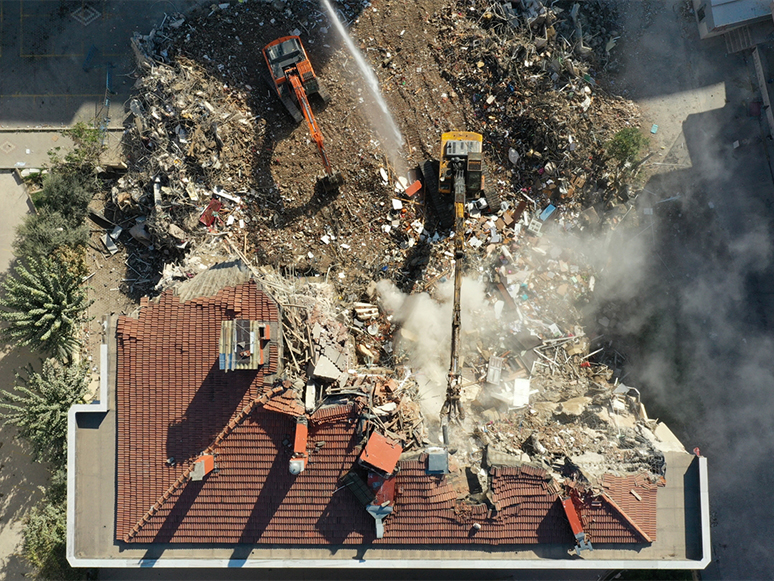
{"x":461,"y":175}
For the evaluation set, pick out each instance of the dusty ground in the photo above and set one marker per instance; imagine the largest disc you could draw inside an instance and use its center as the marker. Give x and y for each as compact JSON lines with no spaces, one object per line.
{"x":442,"y":65}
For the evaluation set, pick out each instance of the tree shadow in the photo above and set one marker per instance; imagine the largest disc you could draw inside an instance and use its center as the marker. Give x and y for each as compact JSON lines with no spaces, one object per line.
{"x":15,"y":566}
{"x":21,"y":478}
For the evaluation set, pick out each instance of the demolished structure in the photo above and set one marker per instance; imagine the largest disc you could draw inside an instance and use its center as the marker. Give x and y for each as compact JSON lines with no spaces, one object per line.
{"x":262,"y":417}
{"x":257,"y":455}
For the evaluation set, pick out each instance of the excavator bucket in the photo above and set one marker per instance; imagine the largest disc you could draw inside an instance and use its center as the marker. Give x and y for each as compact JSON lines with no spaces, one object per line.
{"x":332,"y":182}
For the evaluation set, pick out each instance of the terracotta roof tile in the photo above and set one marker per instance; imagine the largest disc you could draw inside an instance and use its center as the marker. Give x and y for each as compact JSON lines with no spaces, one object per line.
{"x":173,"y":401}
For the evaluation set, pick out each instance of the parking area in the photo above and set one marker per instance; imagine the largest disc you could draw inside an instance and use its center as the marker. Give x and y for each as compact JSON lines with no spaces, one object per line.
{"x":63,"y":61}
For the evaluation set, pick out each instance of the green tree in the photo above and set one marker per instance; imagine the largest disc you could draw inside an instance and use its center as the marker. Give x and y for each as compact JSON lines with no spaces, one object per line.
{"x":45,"y":534}
{"x":45,"y":302}
{"x":67,"y":194}
{"x":39,"y":403}
{"x":83,"y":158}
{"x":43,"y":234}
{"x":626,"y":145}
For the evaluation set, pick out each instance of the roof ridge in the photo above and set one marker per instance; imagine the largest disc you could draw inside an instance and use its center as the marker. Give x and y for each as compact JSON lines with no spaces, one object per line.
{"x":626,"y":517}
{"x":177,"y":484}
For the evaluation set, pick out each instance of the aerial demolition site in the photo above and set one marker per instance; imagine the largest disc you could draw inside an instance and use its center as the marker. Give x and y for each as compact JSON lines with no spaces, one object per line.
{"x":424,"y":189}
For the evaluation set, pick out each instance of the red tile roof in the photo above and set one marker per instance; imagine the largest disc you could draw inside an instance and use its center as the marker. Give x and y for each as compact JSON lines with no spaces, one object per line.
{"x":173,"y":401}
{"x":638,"y":513}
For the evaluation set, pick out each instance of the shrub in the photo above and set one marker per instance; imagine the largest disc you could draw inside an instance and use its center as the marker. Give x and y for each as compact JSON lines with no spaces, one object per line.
{"x":40,"y":235}
{"x":626,"y":145}
{"x":67,"y":195}
{"x":45,"y":534}
{"x":46,"y":303}
{"x":83,"y":158}
{"x":39,"y":403}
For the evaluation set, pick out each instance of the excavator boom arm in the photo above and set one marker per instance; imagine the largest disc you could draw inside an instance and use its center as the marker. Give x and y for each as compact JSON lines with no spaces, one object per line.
{"x":306,"y":109}
{"x":452,"y":406}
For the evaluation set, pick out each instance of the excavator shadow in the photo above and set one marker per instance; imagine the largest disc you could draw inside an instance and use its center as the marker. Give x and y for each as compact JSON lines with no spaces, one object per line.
{"x":293,"y":86}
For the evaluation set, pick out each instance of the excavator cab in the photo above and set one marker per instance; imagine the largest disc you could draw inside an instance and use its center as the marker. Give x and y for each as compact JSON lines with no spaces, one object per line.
{"x":461,"y":149}
{"x":295,"y":81}
{"x":286,"y":56}
{"x":465,"y":147}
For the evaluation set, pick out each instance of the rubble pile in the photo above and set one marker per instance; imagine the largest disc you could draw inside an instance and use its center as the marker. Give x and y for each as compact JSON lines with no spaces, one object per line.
{"x":320,"y":364}
{"x":213,"y":153}
{"x":215,"y":160}
{"x":531,"y":70}
{"x":186,"y":152}
{"x":577,"y":419}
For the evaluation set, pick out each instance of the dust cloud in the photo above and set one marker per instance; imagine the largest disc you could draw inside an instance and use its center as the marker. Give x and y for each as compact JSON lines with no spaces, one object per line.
{"x":690,"y":288}
{"x":425,"y":331}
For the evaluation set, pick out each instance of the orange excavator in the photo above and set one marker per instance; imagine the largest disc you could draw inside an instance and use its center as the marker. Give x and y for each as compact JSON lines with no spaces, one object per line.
{"x":295,"y":81}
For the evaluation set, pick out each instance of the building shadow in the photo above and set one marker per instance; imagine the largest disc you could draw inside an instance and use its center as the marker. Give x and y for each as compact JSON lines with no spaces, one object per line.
{"x":179,"y":511}
{"x":272,"y":494}
{"x":214,"y":403}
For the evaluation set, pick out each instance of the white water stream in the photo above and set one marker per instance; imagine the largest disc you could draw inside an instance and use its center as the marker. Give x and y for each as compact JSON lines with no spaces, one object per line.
{"x":381,"y":120}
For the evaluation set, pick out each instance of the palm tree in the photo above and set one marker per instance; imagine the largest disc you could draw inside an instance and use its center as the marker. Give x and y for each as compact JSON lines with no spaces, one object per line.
{"x":39,"y":403}
{"x":46,"y":303}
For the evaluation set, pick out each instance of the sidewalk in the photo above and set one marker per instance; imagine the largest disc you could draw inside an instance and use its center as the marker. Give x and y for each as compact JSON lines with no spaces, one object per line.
{"x":29,"y":148}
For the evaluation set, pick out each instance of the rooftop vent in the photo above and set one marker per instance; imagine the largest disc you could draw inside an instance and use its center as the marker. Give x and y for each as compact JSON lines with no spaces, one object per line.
{"x":437,"y":461}
{"x":581,"y":543}
{"x":379,"y":513}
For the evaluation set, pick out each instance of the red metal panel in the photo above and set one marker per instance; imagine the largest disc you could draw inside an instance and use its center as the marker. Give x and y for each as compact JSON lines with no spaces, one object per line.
{"x":381,"y":453}
{"x":302,"y":432}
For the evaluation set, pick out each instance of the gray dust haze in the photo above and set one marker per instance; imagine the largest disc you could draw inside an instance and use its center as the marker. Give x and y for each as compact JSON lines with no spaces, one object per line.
{"x":690,"y":287}
{"x":425,"y":331}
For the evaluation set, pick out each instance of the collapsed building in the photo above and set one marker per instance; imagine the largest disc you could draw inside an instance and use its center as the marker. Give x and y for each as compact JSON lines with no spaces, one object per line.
{"x":225,"y":439}
{"x":256,"y":417}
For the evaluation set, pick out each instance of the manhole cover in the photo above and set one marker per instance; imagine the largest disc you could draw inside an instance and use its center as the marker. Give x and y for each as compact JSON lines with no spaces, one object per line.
{"x":7,"y":147}
{"x":86,"y":15}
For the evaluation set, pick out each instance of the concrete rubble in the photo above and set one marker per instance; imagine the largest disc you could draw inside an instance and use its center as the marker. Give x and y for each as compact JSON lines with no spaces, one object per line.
{"x":538,"y":388}
{"x":203,"y":159}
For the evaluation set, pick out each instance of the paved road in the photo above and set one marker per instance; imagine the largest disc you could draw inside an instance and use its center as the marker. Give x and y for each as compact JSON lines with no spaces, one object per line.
{"x":63,"y":61}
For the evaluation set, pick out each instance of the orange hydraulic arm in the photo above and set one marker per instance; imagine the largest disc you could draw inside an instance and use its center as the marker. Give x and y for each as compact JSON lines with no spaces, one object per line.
{"x":298,"y":87}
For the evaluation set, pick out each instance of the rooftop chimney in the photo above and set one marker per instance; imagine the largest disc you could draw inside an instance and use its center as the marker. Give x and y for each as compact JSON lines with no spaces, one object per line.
{"x":298,"y":460}
{"x":203,"y":465}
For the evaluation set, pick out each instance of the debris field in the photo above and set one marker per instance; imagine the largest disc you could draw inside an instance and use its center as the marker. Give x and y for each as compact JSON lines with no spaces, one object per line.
{"x":216,"y":167}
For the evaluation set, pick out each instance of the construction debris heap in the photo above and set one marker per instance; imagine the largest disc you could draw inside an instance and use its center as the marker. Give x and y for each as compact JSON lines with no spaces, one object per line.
{"x":212,"y":160}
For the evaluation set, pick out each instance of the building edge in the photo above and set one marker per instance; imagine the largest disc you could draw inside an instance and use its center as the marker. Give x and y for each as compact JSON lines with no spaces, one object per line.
{"x":101,"y":406}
